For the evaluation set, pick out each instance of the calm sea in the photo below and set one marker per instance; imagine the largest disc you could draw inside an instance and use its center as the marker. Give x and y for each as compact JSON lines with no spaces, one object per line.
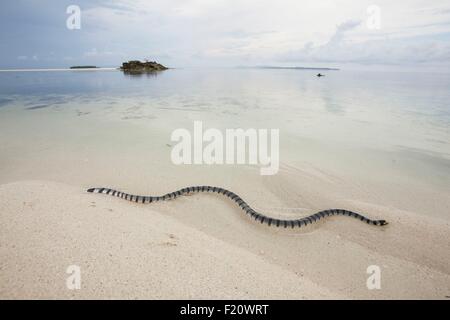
{"x":395,"y":120}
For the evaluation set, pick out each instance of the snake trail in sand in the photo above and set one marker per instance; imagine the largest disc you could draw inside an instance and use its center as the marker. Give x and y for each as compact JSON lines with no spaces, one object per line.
{"x":242,"y":204}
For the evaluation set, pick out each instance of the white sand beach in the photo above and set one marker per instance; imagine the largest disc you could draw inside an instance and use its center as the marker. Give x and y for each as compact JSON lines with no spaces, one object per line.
{"x":203,"y":246}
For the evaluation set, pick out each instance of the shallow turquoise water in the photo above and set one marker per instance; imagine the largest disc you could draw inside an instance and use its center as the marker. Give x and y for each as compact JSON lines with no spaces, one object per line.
{"x":380,"y":109}
{"x":372,"y":123}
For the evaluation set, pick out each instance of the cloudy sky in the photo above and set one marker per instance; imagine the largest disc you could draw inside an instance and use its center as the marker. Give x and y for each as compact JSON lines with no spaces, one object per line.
{"x":183,"y":33}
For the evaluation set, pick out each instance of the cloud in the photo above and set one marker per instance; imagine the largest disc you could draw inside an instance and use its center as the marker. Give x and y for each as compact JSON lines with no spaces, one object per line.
{"x":335,"y":49}
{"x":95,"y":53}
{"x":223,"y":32}
{"x":23,"y":58}
{"x":341,"y":30}
{"x":389,"y":51}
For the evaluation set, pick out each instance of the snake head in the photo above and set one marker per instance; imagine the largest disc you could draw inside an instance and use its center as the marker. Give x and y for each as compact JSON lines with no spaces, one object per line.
{"x":382,"y":222}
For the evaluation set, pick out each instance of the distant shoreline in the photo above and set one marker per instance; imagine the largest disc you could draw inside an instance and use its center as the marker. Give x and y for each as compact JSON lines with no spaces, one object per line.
{"x":58,"y":69}
{"x":116,"y":68}
{"x":84,"y":67}
{"x":290,"y":68}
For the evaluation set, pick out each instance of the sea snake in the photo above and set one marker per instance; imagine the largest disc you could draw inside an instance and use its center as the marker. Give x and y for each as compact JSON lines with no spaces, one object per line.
{"x":242,"y":204}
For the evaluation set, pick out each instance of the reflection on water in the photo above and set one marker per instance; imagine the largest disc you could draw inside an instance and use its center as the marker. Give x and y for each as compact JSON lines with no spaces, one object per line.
{"x":332,"y":104}
{"x":4,"y":101}
{"x":375,"y":109}
{"x":139,"y":74}
{"x":41,"y":106}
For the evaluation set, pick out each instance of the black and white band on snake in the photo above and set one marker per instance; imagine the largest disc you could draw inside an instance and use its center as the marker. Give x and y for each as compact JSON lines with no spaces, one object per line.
{"x":242,"y":204}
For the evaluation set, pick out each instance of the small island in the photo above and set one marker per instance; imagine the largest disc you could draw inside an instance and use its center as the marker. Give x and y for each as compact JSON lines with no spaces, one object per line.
{"x":83,"y":67}
{"x":136,"y":66}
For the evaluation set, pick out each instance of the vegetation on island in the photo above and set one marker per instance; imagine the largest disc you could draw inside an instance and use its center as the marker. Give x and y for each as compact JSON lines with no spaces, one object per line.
{"x":136,"y":66}
{"x":83,"y":67}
